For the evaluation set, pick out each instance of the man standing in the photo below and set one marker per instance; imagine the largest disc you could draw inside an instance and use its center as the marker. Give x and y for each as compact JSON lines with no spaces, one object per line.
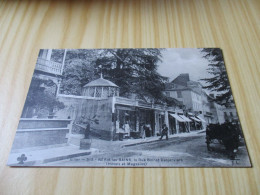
{"x":164,"y":132}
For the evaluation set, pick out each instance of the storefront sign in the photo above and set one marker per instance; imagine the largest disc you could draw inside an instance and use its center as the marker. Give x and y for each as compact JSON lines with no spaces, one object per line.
{"x":125,"y":108}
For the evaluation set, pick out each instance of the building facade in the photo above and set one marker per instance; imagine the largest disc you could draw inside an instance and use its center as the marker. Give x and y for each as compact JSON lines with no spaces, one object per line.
{"x":47,"y":69}
{"x":116,"y":115}
{"x":198,"y":103}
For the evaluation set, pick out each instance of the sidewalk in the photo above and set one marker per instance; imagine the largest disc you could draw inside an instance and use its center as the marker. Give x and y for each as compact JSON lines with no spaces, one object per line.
{"x":132,"y":142}
{"x":39,"y":156}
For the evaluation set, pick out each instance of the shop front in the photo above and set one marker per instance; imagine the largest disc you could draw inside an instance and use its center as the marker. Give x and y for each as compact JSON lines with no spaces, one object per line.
{"x":196,"y":123}
{"x":178,"y":123}
{"x":125,"y":121}
{"x":172,"y":125}
{"x":134,"y":122}
{"x":146,"y":122}
{"x":133,"y":119}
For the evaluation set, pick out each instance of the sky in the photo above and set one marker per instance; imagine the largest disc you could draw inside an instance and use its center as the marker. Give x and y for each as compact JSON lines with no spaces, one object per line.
{"x":183,"y":60}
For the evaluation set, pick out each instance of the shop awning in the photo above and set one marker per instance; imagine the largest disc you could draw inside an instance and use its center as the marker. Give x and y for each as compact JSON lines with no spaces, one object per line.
{"x":177,"y":117}
{"x":185,"y":118}
{"x":195,"y":119}
{"x":202,"y":120}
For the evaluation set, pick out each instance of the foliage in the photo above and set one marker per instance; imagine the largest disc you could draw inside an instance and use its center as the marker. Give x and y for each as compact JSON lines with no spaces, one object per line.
{"x":76,"y":74}
{"x":134,"y":71}
{"x":40,"y":99}
{"x":219,"y":81}
{"x":57,"y":55}
{"x":78,"y":71}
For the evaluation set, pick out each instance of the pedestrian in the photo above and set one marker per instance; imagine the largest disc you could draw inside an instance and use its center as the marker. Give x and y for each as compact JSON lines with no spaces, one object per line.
{"x":127,"y":129}
{"x":143,"y":132}
{"x":164,"y":132}
{"x":147,"y":130}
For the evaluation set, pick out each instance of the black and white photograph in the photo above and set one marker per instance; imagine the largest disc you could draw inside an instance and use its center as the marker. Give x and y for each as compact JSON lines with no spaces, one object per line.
{"x":154,"y":107}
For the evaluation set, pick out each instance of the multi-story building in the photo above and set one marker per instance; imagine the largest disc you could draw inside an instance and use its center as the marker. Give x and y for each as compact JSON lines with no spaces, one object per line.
{"x":50,"y":73}
{"x":47,"y":69}
{"x":197,"y":102}
{"x":186,"y":91}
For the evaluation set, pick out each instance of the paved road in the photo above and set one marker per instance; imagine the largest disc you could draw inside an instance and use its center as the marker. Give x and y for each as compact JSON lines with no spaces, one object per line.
{"x":176,"y":152}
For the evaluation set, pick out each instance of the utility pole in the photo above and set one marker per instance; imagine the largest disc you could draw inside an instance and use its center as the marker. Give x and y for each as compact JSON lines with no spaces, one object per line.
{"x":62,"y":67}
{"x":63,"y":61}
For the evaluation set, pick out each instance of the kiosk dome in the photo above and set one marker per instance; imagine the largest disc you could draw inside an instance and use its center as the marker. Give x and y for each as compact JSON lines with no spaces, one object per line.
{"x":100,"y":88}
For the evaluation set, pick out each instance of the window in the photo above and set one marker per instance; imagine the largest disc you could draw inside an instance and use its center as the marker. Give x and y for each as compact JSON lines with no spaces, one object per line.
{"x":167,"y":93}
{"x":91,"y":91}
{"x":105,"y":92}
{"x":112,"y":92}
{"x":98,"y":92}
{"x":179,"y":95}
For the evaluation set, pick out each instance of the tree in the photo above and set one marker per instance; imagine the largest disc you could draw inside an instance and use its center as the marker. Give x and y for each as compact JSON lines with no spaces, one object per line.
{"x":39,"y":99}
{"x":76,"y":74}
{"x":78,"y":70}
{"x":134,"y":71}
{"x":219,"y":81}
{"x":57,"y":55}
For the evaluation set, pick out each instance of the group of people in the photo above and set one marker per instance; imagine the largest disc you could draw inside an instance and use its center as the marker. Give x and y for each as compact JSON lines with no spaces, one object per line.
{"x":145,"y":130}
{"x":125,"y":128}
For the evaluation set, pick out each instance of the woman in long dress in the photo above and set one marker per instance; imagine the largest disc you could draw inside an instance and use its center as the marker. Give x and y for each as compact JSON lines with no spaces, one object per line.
{"x":127,"y":129}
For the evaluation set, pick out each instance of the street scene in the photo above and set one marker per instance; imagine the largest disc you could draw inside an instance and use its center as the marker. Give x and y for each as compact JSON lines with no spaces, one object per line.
{"x":188,"y":151}
{"x":130,"y":108}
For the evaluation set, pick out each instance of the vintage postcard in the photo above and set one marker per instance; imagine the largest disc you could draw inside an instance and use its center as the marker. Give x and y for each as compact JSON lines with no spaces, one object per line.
{"x":129,"y":108}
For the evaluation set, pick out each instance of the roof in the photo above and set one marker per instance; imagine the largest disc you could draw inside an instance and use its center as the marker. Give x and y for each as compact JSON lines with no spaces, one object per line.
{"x":100,"y":83}
{"x":183,"y":83}
{"x":182,"y":79}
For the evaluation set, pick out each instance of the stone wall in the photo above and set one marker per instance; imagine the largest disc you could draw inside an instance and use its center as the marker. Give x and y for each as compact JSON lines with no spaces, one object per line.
{"x":82,"y":110}
{"x":41,"y":132}
{"x":71,"y":103}
{"x":91,"y":110}
{"x":26,"y":139}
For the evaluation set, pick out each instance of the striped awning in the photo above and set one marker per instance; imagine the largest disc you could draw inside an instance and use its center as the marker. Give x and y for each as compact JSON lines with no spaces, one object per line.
{"x":185,"y":118}
{"x":202,"y":119}
{"x":195,"y":119}
{"x":177,"y":117}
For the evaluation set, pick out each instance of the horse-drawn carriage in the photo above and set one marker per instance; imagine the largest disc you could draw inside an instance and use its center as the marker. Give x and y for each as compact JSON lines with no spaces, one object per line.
{"x":227,"y":134}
